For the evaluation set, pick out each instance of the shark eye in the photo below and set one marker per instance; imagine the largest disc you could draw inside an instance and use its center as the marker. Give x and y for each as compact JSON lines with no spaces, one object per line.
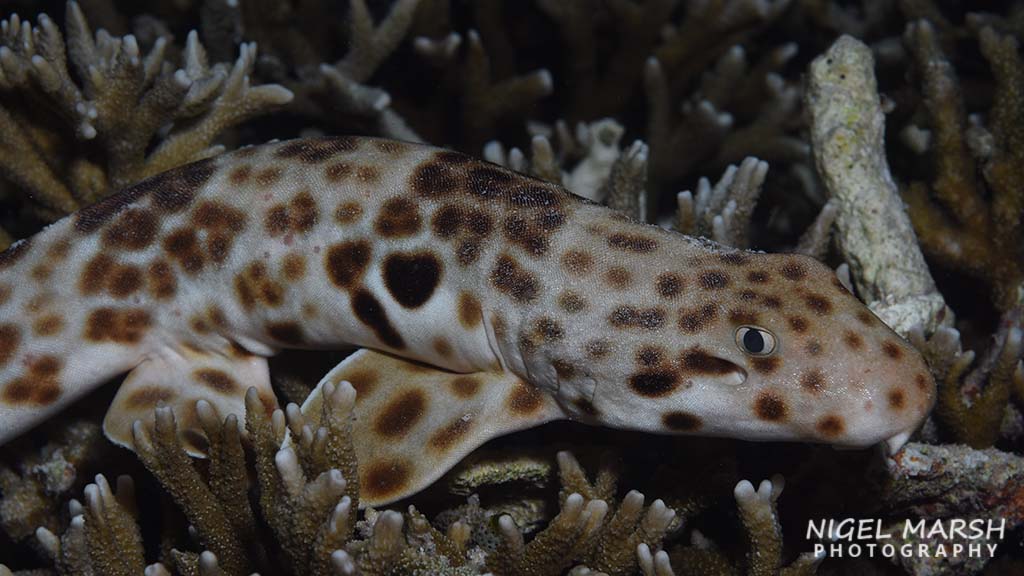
{"x":755,"y":341}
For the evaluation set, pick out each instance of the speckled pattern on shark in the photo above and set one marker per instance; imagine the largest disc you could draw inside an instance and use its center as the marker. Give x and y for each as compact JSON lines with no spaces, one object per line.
{"x":489,"y":302}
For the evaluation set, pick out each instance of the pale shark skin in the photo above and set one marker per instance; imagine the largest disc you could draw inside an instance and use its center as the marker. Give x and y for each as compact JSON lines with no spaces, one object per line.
{"x":552,"y":307}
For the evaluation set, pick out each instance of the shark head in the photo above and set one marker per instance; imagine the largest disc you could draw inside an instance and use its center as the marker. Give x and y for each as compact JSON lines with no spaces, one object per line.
{"x":734,"y":344}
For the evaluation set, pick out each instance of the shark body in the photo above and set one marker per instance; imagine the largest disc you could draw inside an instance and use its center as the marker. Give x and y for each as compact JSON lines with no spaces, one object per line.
{"x":485,"y":301}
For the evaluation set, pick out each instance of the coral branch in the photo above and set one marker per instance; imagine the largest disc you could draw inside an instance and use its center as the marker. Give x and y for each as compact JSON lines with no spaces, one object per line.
{"x":369,"y":45}
{"x":971,"y":404}
{"x":487,"y":99}
{"x":599,"y":90}
{"x":162,"y":453}
{"x":722,"y":212}
{"x":875,"y":235}
{"x":969,"y":229}
{"x":145,"y":114}
{"x":814,"y":242}
{"x":927,"y":482}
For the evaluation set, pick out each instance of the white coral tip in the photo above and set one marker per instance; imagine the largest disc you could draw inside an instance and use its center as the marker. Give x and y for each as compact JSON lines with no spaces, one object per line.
{"x":547,"y":82}
{"x":207,"y":562}
{"x":744,"y":490}
{"x":276,"y":94}
{"x":662,"y":565}
{"x":181,"y":79}
{"x":573,"y":503}
{"x":49,"y":541}
{"x":340,"y":514}
{"x":342,"y":563}
{"x":157,"y":569}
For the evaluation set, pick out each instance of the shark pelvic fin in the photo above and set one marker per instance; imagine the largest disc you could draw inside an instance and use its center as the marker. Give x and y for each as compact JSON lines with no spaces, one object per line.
{"x":413,"y":422}
{"x":178,"y":378}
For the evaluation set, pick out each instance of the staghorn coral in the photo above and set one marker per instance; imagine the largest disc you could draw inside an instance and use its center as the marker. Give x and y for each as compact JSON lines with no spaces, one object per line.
{"x":369,"y":46}
{"x":614,"y":550}
{"x":815,"y":240}
{"x":103,"y":537}
{"x":759,"y":518}
{"x":971,"y":403}
{"x":476,"y":86}
{"x":61,"y":95}
{"x":710,"y":28}
{"x":758,"y":512}
{"x":305,"y":508}
{"x":723,"y":212}
{"x":589,"y":162}
{"x":970,"y":223}
{"x":861,"y":20}
{"x":304,"y":498}
{"x":594,"y":532}
{"x":626,"y":186}
{"x":551,"y":551}
{"x":739,"y":110}
{"x":485,"y":98}
{"x":340,"y":95}
{"x":598,"y":143}
{"x":598,"y":90}
{"x":212,"y":508}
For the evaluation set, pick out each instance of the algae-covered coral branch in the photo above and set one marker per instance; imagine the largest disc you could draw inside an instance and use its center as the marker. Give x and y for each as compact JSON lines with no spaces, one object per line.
{"x":875,"y":236}
{"x":928,"y":482}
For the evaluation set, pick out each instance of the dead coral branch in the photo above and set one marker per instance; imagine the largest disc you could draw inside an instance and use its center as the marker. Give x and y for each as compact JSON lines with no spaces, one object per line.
{"x":875,"y":235}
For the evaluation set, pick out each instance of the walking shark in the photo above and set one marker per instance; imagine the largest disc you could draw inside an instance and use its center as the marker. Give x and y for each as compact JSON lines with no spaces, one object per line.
{"x":484,"y":301}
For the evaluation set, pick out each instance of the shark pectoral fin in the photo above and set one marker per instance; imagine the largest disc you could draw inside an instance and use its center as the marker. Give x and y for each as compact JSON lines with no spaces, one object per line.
{"x":414,"y":422}
{"x":180,"y":378}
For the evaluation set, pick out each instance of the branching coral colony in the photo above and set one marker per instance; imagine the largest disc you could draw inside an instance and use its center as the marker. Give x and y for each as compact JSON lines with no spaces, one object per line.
{"x":63,"y":97}
{"x":625,"y":102}
{"x":303,"y":516}
{"x":969,"y":218}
